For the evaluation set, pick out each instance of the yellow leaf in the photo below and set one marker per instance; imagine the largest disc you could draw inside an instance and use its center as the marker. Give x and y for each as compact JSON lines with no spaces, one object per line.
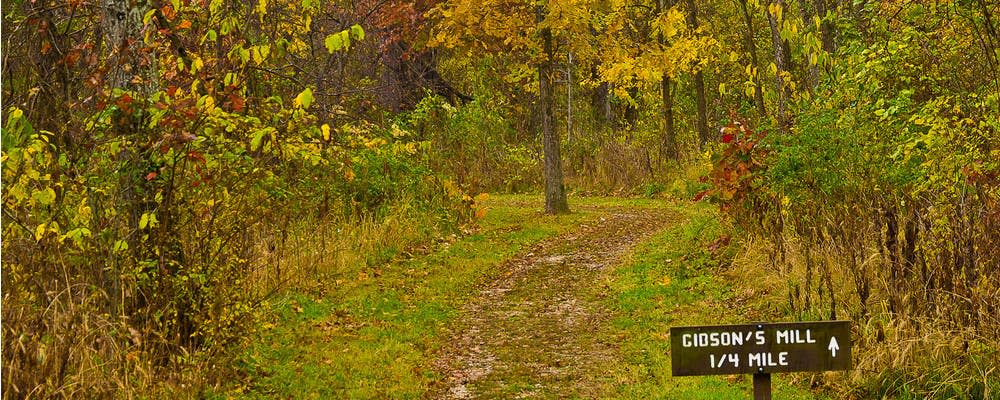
{"x":326,"y":132}
{"x":39,"y":232}
{"x":305,"y":98}
{"x":197,"y":64}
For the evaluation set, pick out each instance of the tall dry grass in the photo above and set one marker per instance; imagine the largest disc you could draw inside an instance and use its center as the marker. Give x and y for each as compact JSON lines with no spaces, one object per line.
{"x":942,"y":346}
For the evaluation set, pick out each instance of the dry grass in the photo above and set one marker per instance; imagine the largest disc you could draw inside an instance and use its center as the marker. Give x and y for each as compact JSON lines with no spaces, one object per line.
{"x":895,"y":356}
{"x":336,"y":248}
{"x":75,"y":347}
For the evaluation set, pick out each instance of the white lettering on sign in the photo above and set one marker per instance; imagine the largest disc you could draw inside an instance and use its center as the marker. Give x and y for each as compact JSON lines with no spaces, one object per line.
{"x":723,"y":359}
{"x":767,"y":359}
{"x":793,"y":336}
{"x":722,"y":339}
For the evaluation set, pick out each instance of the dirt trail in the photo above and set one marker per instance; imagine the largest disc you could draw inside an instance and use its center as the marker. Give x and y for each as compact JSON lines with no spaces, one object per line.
{"x":532,"y":333}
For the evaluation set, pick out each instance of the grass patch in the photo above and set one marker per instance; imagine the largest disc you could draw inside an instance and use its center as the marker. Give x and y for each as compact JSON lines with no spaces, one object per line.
{"x":371,"y":332}
{"x":678,"y":277}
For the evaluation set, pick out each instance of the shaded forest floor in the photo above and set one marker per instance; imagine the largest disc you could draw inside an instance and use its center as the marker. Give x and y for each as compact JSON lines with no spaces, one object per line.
{"x":522,"y":306}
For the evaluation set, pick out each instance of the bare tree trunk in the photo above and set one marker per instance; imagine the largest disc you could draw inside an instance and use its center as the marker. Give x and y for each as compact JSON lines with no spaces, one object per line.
{"x":751,"y":48}
{"x":699,"y":83}
{"x":569,"y":97}
{"x":828,"y":31}
{"x":555,"y":193}
{"x":669,"y":136}
{"x":806,"y":13}
{"x":699,"y":91}
{"x":390,"y":93}
{"x":600,"y":103}
{"x":669,"y":143}
{"x":782,"y":61}
{"x":122,"y":28}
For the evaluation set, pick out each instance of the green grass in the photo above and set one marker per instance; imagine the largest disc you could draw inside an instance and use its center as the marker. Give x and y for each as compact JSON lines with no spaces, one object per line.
{"x":373,"y":337}
{"x":673,"y":279}
{"x":370,"y":336}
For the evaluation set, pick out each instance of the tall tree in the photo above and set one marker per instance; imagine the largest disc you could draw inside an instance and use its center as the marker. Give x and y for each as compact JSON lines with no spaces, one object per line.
{"x":750,"y":46}
{"x":699,"y":81}
{"x":555,"y":192}
{"x":782,"y":61}
{"x":122,"y":26}
{"x":651,"y":45}
{"x":669,"y":143}
{"x":526,"y":33}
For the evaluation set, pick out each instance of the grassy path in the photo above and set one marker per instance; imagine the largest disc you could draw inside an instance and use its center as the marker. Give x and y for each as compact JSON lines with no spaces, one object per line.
{"x":530,"y":333}
{"x":527,"y":306}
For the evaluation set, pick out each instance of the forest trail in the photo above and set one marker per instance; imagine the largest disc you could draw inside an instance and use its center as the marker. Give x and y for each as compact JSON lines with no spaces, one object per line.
{"x":530,"y":333}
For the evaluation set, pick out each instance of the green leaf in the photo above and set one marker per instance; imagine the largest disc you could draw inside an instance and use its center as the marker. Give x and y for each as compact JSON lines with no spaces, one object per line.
{"x":44,"y":197}
{"x":120,"y":246}
{"x":258,"y":137}
{"x":357,"y":32}
{"x":210,"y":35}
{"x":148,"y":220}
{"x":334,"y":43}
{"x":345,"y":37}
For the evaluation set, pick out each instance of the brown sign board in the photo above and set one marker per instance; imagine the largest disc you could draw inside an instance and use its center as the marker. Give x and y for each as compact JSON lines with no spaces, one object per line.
{"x":762,"y":348}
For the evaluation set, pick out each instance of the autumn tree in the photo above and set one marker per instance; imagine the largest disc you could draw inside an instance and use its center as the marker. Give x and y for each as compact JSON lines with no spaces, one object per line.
{"x":651,"y":44}
{"x":529,"y":34}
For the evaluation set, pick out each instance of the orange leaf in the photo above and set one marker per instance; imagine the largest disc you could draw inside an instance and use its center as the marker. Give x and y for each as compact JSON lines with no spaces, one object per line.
{"x":185,"y":24}
{"x":168,"y":12}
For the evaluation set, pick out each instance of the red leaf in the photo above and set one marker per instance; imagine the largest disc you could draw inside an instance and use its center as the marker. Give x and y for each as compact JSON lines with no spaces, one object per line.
{"x":150,"y":176}
{"x":236,"y":103}
{"x":124,"y":100}
{"x":196,"y":156}
{"x":728,"y":137}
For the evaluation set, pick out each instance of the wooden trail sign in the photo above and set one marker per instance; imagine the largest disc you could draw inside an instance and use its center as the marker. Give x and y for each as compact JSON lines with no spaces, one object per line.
{"x":760,"y":349}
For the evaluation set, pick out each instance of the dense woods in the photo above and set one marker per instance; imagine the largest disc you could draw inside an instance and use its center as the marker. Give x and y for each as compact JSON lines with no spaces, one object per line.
{"x":166,"y":164}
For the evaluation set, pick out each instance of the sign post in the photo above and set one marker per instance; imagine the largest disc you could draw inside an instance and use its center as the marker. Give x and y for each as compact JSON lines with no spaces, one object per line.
{"x":760,"y":349}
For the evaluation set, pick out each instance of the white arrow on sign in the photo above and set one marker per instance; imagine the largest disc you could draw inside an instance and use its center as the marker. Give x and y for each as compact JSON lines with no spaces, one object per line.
{"x":833,"y":347}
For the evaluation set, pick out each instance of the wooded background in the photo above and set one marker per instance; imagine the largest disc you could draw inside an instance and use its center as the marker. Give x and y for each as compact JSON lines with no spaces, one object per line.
{"x":160,"y":157}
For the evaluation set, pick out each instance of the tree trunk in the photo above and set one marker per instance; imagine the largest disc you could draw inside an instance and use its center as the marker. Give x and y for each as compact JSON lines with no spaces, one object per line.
{"x":806,"y":13}
{"x":392,"y":77}
{"x":122,"y":28}
{"x":600,"y":100}
{"x":669,"y":144}
{"x":699,"y":91}
{"x":669,"y":136}
{"x":699,"y":83}
{"x":555,"y":193}
{"x":751,"y":48}
{"x":828,"y":31}
{"x":782,"y":61}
